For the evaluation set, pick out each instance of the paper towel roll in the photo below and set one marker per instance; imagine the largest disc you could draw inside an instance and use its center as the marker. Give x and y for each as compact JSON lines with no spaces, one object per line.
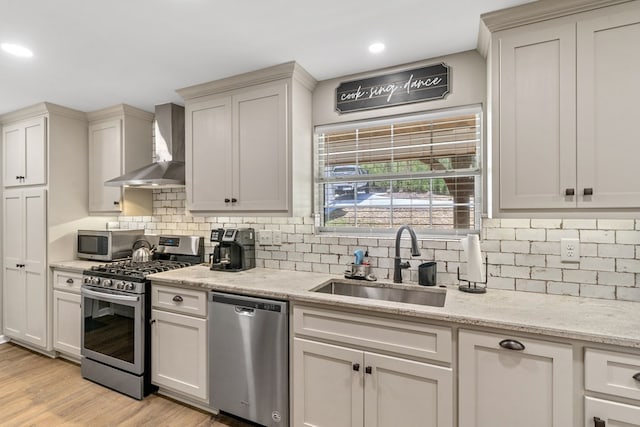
{"x":473,"y":257}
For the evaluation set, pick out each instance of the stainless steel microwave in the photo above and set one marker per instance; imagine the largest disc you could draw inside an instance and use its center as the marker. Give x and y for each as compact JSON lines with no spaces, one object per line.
{"x":106,"y":245}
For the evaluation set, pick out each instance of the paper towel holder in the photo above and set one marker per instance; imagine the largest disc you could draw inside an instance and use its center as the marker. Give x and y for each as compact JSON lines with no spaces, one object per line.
{"x":475,"y":289}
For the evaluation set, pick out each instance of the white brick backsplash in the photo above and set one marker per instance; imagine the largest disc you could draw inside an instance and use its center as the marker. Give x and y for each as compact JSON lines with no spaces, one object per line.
{"x":431,"y":244}
{"x":490,"y":245}
{"x":628,"y":265}
{"x":516,"y":272}
{"x":597,"y":236}
{"x":531,"y":234}
{"x":501,"y":234}
{"x":527,"y":285}
{"x":554,"y":261}
{"x":547,"y":248}
{"x":501,"y":258}
{"x":295,"y":256}
{"x":502,"y":283}
{"x":447,"y":255}
{"x":563,"y":288}
{"x":320,"y":268}
{"x":339,"y":249}
{"x":348,"y":241}
{"x":270,"y":263}
{"x":628,"y":237}
{"x":490,"y":223}
{"x":628,"y":294}
{"x":601,"y":264}
{"x":547,"y":274}
{"x":515,"y":223}
{"x":531,"y":260}
{"x":588,"y":249}
{"x":580,"y":276}
{"x":515,"y":247}
{"x":581,"y":224}
{"x":320,"y":248}
{"x":303,"y":266}
{"x":616,"y":279}
{"x":379,"y":252}
{"x":616,"y":251}
{"x":329,"y":259}
{"x":546,"y":223}
{"x":303,"y":247}
{"x":616,"y":224}
{"x":338,"y":269}
{"x":595,"y":291}
{"x":556,"y":235}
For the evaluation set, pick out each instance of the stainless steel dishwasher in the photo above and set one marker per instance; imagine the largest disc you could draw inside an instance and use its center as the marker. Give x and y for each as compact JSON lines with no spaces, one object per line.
{"x":249,"y":358}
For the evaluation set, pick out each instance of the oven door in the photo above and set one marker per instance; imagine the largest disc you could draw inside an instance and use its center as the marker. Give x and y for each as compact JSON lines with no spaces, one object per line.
{"x":113,"y":328}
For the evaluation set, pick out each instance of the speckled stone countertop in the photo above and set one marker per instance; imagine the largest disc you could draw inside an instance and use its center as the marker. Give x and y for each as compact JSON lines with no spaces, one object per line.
{"x":587,"y":319}
{"x":76,"y":265}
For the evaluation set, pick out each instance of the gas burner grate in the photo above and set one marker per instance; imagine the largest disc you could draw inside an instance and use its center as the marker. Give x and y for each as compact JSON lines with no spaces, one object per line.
{"x":139,"y":269}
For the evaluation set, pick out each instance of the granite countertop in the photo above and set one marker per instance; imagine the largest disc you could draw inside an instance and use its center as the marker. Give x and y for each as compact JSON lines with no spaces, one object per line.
{"x":76,"y":265}
{"x":587,"y":319}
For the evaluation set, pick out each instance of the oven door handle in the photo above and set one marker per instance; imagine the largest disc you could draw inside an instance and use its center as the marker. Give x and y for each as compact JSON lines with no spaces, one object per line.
{"x":106,"y":296}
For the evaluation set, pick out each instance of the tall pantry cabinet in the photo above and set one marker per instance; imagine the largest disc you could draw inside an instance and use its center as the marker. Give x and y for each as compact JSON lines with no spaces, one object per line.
{"x":44,"y":203}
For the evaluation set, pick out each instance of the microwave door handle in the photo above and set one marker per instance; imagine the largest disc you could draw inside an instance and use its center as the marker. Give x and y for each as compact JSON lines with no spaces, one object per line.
{"x":110,"y":297}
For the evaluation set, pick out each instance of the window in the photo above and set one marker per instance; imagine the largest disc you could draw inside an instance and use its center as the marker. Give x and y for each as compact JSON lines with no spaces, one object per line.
{"x":422,"y":170}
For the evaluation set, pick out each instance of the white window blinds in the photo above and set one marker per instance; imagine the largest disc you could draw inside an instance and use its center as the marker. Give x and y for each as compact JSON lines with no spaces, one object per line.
{"x":422,"y":170}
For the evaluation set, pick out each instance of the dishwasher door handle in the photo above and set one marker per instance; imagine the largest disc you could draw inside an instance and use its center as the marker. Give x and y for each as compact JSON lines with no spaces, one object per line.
{"x":245,"y":311}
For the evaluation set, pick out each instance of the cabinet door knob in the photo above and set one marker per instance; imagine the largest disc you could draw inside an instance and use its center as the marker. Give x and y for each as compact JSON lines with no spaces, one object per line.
{"x":510,"y":344}
{"x":356,"y":367}
{"x":597,"y":422}
{"x":234,"y":200}
{"x":227,"y":200}
{"x":116,"y":203}
{"x":177,"y":298}
{"x":368,"y":369}
{"x":570,"y":192}
{"x":588,"y":192}
{"x":18,"y":177}
{"x":636,"y":376}
{"x":152,"y":321}
{"x":70,"y":280}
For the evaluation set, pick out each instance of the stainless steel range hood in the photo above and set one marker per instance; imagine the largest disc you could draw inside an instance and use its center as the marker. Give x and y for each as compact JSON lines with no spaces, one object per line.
{"x":168,"y":171}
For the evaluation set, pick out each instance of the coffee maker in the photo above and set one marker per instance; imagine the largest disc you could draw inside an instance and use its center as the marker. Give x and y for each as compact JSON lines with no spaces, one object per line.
{"x":236,"y":249}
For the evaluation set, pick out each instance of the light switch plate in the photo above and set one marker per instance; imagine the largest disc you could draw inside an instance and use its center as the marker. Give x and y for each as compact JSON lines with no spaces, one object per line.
{"x":569,"y":250}
{"x":265,"y":237}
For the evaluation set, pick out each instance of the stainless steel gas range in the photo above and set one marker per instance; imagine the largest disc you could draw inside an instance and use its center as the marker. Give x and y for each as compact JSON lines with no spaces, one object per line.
{"x":116,"y":307}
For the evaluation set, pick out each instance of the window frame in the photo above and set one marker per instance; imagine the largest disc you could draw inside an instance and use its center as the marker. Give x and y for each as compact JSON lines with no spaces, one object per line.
{"x":435,"y":234}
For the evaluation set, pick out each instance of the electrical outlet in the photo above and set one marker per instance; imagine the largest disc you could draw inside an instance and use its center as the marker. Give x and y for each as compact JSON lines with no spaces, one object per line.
{"x":265,"y":237}
{"x":277,"y":237}
{"x":569,"y":250}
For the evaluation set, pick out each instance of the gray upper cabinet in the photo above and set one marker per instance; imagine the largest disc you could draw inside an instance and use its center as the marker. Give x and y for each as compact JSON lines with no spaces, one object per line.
{"x":563,"y":96}
{"x":25,"y":152}
{"x":248,"y":143}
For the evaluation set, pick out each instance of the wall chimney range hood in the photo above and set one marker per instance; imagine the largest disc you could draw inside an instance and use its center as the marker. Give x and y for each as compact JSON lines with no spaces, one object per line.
{"x":168,"y":171}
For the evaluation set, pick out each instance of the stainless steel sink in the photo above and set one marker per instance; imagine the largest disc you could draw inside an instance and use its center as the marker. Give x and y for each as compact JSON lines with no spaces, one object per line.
{"x":386,"y":292}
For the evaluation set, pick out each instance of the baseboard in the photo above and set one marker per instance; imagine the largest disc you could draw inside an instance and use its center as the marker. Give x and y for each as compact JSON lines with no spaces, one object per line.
{"x":3,"y":339}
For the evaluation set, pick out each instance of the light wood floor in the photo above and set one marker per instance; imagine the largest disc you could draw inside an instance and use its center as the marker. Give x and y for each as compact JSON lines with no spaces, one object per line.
{"x":38,"y":391}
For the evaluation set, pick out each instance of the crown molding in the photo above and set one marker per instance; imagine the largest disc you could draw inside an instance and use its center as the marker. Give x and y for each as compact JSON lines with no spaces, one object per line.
{"x":119,"y":110}
{"x":537,"y":11}
{"x":277,"y":72}
{"x":39,"y":109}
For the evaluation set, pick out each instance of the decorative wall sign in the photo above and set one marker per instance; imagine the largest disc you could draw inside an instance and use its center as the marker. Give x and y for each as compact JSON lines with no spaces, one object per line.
{"x":405,"y":87}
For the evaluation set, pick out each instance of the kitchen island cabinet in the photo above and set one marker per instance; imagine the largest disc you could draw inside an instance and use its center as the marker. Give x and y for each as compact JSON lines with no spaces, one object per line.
{"x":248,"y":143}
{"x":563,"y":94}
{"x":120,"y":141}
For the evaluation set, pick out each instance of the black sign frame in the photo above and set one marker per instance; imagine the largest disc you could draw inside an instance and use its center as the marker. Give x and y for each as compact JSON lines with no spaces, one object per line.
{"x":387,"y":90}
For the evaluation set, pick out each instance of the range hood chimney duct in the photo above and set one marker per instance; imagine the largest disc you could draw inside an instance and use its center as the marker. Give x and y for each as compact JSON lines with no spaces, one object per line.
{"x":168,"y":171}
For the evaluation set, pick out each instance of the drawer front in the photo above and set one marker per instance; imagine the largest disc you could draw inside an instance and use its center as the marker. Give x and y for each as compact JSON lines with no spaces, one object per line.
{"x":179,"y":300}
{"x":66,"y":280}
{"x":610,"y":413}
{"x":612,"y":373}
{"x":397,"y":336}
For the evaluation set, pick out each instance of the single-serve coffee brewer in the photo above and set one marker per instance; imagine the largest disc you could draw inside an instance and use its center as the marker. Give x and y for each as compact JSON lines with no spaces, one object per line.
{"x":236,"y":249}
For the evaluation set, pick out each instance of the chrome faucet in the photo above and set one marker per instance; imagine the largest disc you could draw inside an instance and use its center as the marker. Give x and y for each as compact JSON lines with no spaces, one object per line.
{"x":398,"y":265}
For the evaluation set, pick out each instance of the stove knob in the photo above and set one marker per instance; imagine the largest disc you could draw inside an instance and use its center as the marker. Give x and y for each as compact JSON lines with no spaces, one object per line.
{"x":121,"y":285}
{"x":129,"y":286}
{"x":95,"y":280}
{"x":87,"y":280}
{"x":107,"y":283}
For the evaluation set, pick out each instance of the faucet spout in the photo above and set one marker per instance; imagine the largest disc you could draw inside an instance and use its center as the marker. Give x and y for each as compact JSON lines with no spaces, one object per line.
{"x":398,"y":265}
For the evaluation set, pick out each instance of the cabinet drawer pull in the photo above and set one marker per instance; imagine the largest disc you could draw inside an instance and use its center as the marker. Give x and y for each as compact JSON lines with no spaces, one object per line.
{"x":597,"y":422}
{"x":368,"y":369}
{"x":588,"y":192}
{"x":570,"y":192}
{"x":177,"y":298}
{"x":116,"y":203}
{"x":70,"y":281}
{"x":356,"y":367}
{"x":510,"y":344}
{"x":636,"y":376}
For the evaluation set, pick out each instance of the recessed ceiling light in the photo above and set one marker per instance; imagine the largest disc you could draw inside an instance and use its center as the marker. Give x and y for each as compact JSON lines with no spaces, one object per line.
{"x":16,"y":50}
{"x":376,"y":47}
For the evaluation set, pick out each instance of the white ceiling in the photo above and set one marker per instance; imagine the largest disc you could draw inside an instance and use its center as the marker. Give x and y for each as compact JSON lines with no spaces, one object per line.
{"x":89,"y":54}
